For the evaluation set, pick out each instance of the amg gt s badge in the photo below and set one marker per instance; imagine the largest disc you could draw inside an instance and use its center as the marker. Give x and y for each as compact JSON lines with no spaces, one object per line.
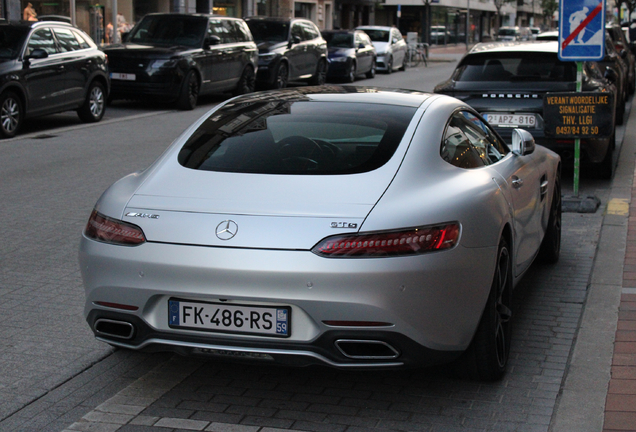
{"x":344,"y":225}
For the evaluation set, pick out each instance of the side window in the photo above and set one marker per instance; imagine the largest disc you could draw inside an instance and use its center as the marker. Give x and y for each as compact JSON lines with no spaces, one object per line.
{"x":311,"y":32}
{"x":470,"y":143}
{"x":230,"y":31}
{"x":221,"y":29}
{"x":297,"y":32}
{"x":42,"y":39}
{"x":66,"y":38}
{"x":82,"y":41}
{"x":242,"y":31}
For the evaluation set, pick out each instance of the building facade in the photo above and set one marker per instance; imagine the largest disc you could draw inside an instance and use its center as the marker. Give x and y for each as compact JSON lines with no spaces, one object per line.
{"x":435,"y":21}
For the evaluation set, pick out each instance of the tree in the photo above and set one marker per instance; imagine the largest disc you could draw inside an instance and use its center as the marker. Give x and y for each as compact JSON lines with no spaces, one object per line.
{"x":549,"y":7}
{"x":498,"y":5}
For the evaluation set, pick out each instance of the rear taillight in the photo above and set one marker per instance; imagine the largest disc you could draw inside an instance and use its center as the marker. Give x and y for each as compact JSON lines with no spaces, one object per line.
{"x":109,"y":230}
{"x":390,"y":243}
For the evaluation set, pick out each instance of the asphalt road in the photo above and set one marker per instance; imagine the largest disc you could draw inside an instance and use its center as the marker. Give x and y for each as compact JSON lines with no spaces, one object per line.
{"x":53,"y":373}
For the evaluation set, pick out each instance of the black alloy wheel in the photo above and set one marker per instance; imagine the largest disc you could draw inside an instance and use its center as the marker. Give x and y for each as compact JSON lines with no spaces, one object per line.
{"x":189,"y":92}
{"x":371,"y":73}
{"x":281,"y":77}
{"x":11,"y":114}
{"x":320,"y":77}
{"x":389,"y":66}
{"x":247,"y":83}
{"x":94,"y":106}
{"x":551,"y":243}
{"x":351,"y":73}
{"x":487,"y":356}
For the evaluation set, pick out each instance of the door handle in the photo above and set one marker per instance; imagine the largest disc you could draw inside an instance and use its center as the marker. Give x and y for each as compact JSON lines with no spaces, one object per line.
{"x":516,"y":182}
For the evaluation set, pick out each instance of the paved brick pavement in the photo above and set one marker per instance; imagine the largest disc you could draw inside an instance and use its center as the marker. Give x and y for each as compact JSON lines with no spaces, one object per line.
{"x":620,"y":408}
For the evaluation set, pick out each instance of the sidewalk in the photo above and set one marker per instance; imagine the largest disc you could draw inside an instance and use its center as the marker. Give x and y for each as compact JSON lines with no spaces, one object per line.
{"x":620,"y":407}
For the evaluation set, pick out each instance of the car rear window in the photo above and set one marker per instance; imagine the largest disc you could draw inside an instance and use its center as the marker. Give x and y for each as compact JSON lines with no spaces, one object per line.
{"x":296,"y":137}
{"x":511,"y":66}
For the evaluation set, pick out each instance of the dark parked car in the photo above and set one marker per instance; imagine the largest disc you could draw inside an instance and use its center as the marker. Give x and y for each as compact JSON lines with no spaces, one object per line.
{"x":614,"y":61}
{"x":177,"y":57}
{"x":289,"y":49}
{"x":622,"y":47}
{"x":351,"y":53}
{"x":49,"y":67}
{"x":506,"y":83}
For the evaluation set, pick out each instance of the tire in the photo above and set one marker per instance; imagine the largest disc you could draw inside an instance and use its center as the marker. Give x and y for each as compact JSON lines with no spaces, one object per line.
{"x":371,"y":73}
{"x":351,"y":73}
{"x":551,"y":245}
{"x":247,"y":83}
{"x":320,"y":77}
{"x":487,"y":356}
{"x":95,"y":104}
{"x":11,"y":114}
{"x":189,"y":92}
{"x":605,"y":169}
{"x":389,"y":66}
{"x":281,"y":77}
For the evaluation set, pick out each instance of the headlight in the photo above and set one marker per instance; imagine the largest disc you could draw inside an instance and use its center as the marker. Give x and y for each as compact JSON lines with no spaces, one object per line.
{"x":156,"y":64}
{"x":338,"y":59}
{"x":267,"y":57}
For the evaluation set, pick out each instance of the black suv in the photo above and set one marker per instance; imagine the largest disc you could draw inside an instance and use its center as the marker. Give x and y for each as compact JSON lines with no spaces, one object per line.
{"x":177,"y":57}
{"x":289,"y":49}
{"x":46,"y":68}
{"x":506,"y":83}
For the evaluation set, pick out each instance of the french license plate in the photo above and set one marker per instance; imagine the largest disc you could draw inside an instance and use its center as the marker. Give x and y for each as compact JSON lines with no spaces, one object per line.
{"x":123,"y":76}
{"x":511,"y":120}
{"x":246,"y":319}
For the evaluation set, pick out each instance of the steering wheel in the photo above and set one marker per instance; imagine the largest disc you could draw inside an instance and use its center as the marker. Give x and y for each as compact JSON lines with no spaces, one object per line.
{"x":299,"y":152}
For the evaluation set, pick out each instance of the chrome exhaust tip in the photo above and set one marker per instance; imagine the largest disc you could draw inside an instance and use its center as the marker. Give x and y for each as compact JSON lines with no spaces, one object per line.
{"x":112,"y":328}
{"x":366,"y":349}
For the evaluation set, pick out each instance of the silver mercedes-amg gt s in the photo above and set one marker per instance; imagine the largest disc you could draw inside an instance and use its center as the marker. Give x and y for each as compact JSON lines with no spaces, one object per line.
{"x":347,"y":226}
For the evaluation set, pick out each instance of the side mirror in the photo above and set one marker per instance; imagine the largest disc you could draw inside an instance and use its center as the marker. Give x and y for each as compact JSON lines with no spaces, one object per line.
{"x":294,"y":40}
{"x":124,"y":36}
{"x":37,"y":53}
{"x":212,"y":40}
{"x":361,"y":46}
{"x":624,"y":54}
{"x":610,"y":75}
{"x":522,"y":142}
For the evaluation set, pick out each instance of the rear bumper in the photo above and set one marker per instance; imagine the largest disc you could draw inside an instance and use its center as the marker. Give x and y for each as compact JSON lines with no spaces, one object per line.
{"x":429,"y":308}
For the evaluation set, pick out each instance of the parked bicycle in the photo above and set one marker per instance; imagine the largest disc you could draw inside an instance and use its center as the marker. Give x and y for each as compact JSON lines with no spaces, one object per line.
{"x":417,"y":54}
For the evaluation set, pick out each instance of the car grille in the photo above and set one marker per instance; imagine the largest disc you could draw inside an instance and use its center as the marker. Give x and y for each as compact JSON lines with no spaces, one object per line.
{"x":127,"y":64}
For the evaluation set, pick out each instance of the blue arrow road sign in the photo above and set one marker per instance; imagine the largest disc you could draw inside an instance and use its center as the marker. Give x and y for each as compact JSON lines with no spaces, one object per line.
{"x":581,"y":30}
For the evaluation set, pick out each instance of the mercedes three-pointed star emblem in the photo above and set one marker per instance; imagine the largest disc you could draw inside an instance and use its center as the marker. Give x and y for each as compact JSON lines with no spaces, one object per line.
{"x":226,"y":229}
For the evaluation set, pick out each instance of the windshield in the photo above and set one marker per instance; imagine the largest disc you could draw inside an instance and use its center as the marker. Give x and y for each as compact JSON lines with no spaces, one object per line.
{"x":507,"y":32}
{"x":170,"y":30}
{"x":269,"y":31}
{"x":339,"y":40}
{"x":378,"y":35}
{"x":11,"y":41}
{"x":511,"y":66}
{"x":296,"y":137}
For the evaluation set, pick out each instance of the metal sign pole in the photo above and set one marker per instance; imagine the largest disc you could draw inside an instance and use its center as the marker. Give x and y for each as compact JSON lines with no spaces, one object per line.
{"x":577,"y":141}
